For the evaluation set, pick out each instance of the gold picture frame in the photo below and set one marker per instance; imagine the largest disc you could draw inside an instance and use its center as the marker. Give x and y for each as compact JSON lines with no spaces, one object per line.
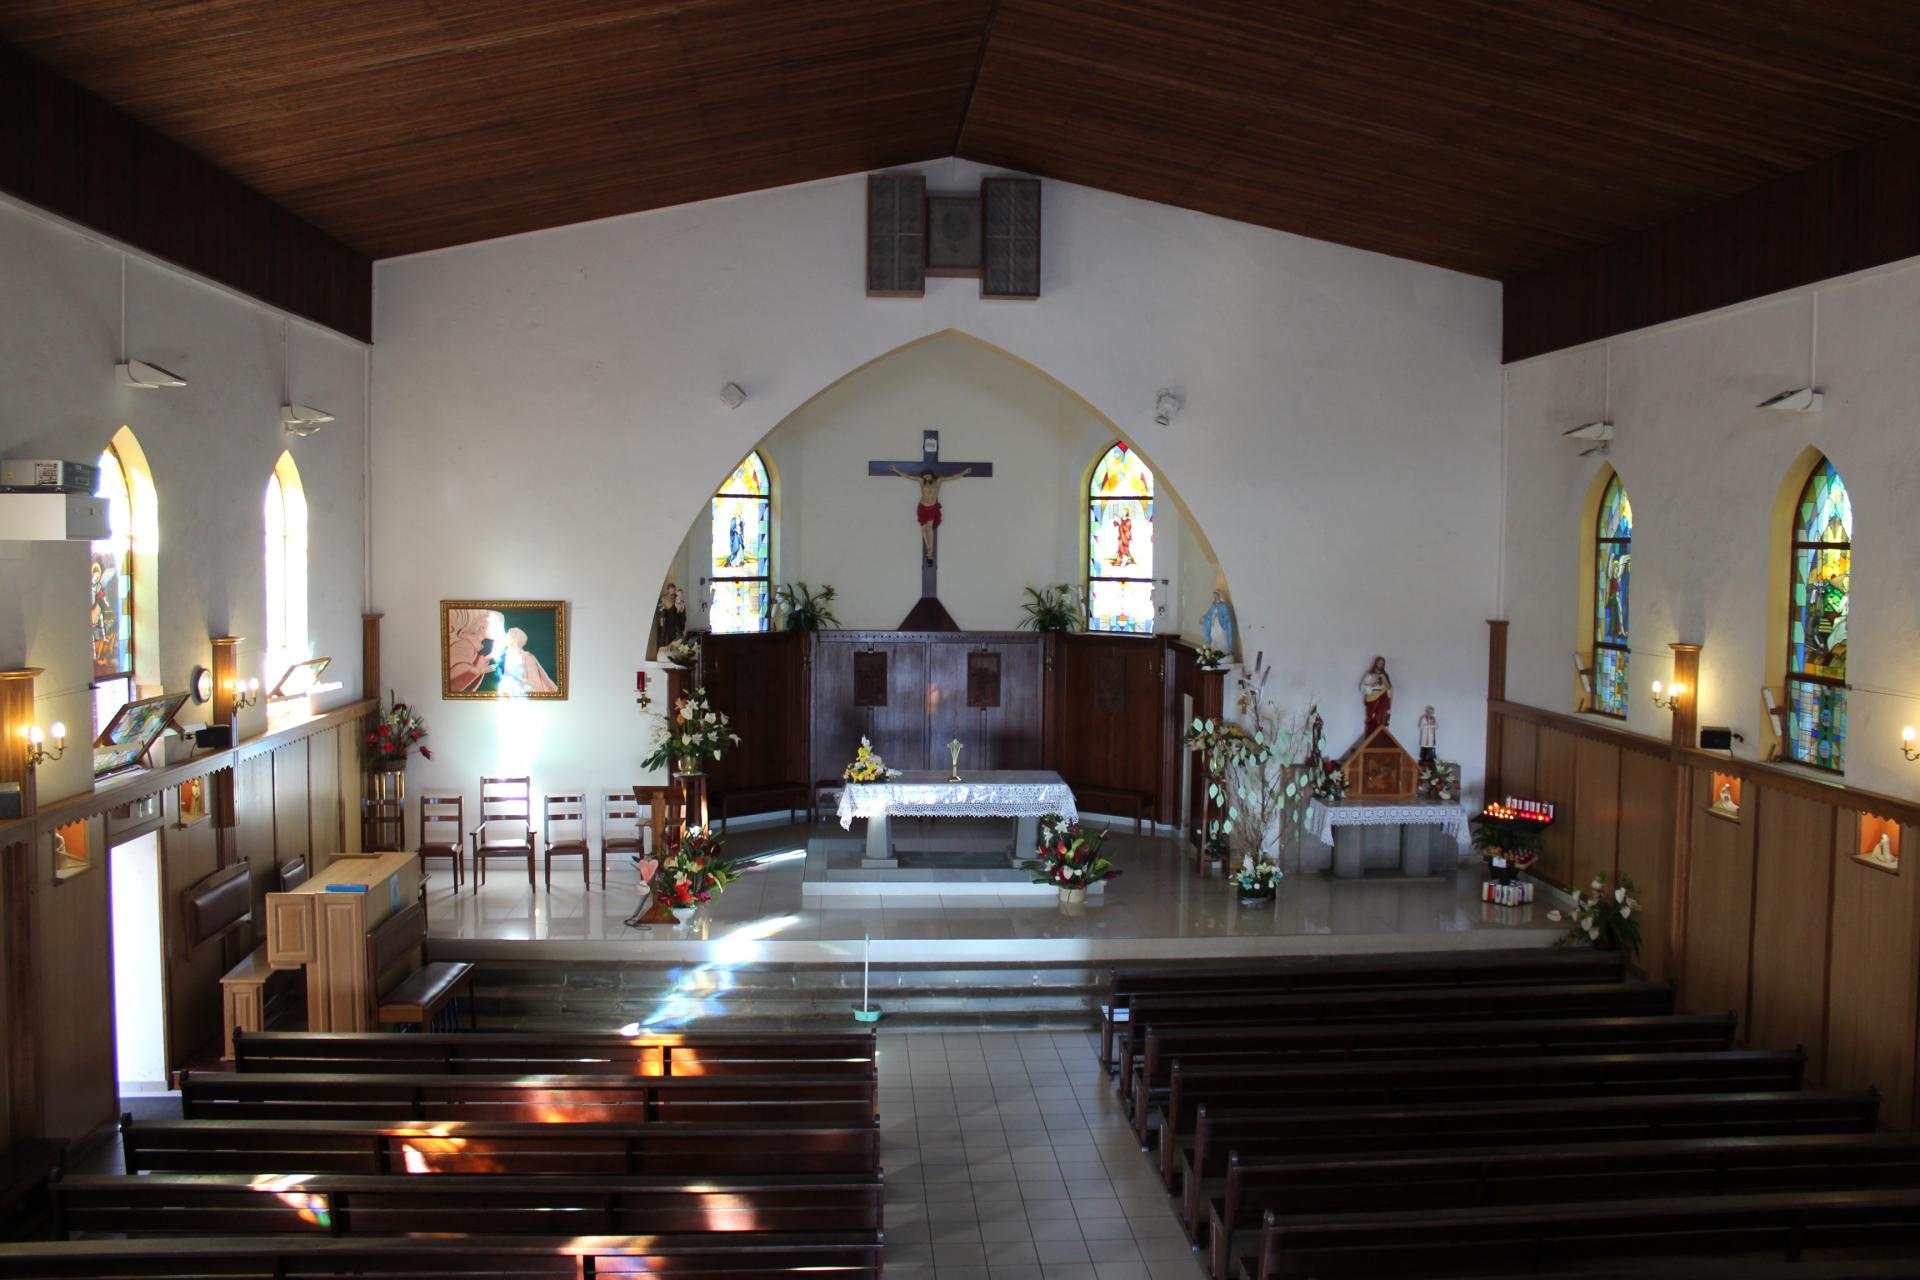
{"x":499,"y":650}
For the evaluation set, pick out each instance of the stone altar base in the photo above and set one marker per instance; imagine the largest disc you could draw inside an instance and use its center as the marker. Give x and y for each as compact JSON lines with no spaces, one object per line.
{"x":948,"y":863}
{"x":1414,"y":850}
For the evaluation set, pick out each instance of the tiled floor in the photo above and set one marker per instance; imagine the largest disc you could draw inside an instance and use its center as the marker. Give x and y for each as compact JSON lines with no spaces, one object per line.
{"x":1159,"y":896}
{"x":1007,"y":1158}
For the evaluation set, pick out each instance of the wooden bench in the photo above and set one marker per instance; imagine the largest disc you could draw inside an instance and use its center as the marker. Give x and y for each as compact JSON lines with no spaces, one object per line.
{"x":1442,"y":1242}
{"x":355,"y":1204}
{"x":1259,"y":1136}
{"x":343,"y":1146}
{"x":28,"y":1168}
{"x":1374,"y":1041}
{"x":249,"y":994}
{"x":704,"y":1053}
{"x":420,"y":995}
{"x":1558,"y":1174}
{"x":851,"y":1255}
{"x":1469,"y":1080}
{"x":557,"y":1099}
{"x":1344,"y":973}
{"x":1116,"y":802}
{"x":1459,"y":1004}
{"x":761,"y":800}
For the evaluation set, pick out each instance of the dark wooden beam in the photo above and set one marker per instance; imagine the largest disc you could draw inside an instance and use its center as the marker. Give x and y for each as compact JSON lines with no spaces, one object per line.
{"x":74,"y":155}
{"x":1856,"y":211}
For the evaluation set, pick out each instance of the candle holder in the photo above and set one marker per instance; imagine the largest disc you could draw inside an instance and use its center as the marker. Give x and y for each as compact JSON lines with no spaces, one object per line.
{"x":953,"y":749}
{"x":38,"y":752}
{"x":245,"y":695}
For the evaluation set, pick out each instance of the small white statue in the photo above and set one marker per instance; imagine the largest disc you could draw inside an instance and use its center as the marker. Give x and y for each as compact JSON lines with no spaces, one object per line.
{"x":1882,"y":853}
{"x":1724,"y":802}
{"x":1429,"y":734}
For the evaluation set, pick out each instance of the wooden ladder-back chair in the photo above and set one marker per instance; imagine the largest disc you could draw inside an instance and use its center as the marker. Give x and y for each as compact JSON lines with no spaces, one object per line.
{"x":568,"y":811}
{"x":505,"y":829}
{"x":621,"y":827}
{"x":443,"y":821}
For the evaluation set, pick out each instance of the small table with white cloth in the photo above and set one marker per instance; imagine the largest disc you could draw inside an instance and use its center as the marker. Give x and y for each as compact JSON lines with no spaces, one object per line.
{"x":1024,"y":795}
{"x":1382,"y":834}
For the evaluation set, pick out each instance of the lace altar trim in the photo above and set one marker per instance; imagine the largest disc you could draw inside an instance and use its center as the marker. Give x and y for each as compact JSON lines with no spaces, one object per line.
{"x":1324,"y":818}
{"x":987,"y":796}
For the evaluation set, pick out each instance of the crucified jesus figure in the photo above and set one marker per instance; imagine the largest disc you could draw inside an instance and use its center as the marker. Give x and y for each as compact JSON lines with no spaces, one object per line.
{"x":928,"y":512}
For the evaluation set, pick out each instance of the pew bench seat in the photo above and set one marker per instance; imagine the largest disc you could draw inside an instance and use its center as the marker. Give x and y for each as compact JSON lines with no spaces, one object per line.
{"x":422,"y":994}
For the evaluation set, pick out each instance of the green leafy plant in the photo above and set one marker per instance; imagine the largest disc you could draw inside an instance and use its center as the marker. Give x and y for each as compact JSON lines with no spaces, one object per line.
{"x":1259,"y":787}
{"x":1051,"y":609}
{"x":806,"y":611}
{"x":1606,"y":918}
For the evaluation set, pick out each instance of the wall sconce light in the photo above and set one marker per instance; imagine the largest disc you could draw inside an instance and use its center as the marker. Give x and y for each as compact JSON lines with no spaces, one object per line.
{"x":1906,"y":744}
{"x":38,"y":752}
{"x":1667,"y":697}
{"x":245,"y":695}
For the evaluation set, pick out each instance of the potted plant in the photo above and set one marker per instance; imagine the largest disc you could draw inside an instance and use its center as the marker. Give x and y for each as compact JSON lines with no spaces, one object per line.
{"x":692,"y":735}
{"x":691,"y":871}
{"x":396,"y":733}
{"x":806,"y":611}
{"x":1259,"y":781}
{"x":1330,"y":787}
{"x":681,"y":651}
{"x":867,"y":766}
{"x":1051,"y":609}
{"x":1068,"y":858}
{"x":1508,"y":841}
{"x":1257,"y":880}
{"x":1209,"y":658}
{"x":1606,"y":919}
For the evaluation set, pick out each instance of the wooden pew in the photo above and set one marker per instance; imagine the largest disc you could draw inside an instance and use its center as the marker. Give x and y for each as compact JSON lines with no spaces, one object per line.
{"x":341,"y":1146}
{"x":1337,"y":973}
{"x":408,"y":987}
{"x":1372,"y":1041}
{"x":772,"y":1256}
{"x":1468,"y":1080}
{"x":703,"y":1053}
{"x":554,"y":1099}
{"x":212,"y":1204}
{"x":1574,"y":1000}
{"x":1260,"y":1136}
{"x":1520,"y":1239}
{"x":1558,"y":1174}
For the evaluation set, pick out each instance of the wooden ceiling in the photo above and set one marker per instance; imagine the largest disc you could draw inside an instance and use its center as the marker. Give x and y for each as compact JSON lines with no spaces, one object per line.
{"x":1489,"y":136}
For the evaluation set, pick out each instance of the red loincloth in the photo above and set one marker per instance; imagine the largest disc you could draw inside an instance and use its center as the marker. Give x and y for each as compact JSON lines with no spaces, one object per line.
{"x":929,"y":513}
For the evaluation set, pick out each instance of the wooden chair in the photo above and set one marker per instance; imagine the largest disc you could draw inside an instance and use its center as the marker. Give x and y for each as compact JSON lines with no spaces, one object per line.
{"x":383,"y":824}
{"x":293,"y":875}
{"x":617,"y":811}
{"x":448,"y":812}
{"x":505,"y":829}
{"x":569,"y":812}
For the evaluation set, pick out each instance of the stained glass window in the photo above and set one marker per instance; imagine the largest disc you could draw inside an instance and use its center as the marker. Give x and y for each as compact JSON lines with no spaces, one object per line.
{"x":285,"y":516}
{"x":1817,"y":607}
{"x":1612,"y":573}
{"x":110,"y":594}
{"x":1120,"y":543}
{"x":742,"y":550}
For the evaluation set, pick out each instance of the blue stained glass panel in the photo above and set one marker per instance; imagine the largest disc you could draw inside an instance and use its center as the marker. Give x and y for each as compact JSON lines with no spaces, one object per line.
{"x":1612,"y":581}
{"x":742,"y":551}
{"x":1610,"y":681}
{"x":110,"y":575}
{"x":1817,"y":724}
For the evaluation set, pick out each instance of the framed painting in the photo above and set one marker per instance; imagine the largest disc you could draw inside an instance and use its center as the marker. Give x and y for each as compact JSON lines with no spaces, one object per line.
{"x":494,"y":649}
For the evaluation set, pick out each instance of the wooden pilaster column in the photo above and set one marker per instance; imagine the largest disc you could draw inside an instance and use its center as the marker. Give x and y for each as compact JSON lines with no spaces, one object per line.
{"x":1686,"y":674}
{"x":1496,"y":692}
{"x":370,"y":685}
{"x":21,"y":992}
{"x":225,"y":667}
{"x":1686,"y":728}
{"x":16,"y":718}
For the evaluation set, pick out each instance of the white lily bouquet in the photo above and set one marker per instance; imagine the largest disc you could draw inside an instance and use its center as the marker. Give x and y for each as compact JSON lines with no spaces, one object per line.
{"x":694,"y":733}
{"x":1607,"y":919}
{"x":867,"y":765}
{"x":1257,"y":877}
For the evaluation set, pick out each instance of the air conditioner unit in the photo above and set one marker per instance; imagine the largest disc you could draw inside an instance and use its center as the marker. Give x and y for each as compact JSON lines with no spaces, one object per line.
{"x":52,"y":517}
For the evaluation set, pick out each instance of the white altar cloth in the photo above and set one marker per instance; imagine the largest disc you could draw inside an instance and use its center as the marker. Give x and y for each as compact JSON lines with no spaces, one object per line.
{"x":1000,"y":793}
{"x":1323,"y":818}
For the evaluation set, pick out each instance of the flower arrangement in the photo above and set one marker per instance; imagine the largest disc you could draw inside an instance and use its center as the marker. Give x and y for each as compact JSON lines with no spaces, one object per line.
{"x":695,"y":732}
{"x":691,"y":869}
{"x":1257,"y":877}
{"x":682,"y":652}
{"x":1067,"y":856}
{"x":1440,"y":781}
{"x":1606,"y":919}
{"x":806,"y":611}
{"x":1051,"y":609}
{"x":1258,"y":780}
{"x":396,"y":734}
{"x":1330,"y":786}
{"x":867,"y":766}
{"x":1209,"y":658}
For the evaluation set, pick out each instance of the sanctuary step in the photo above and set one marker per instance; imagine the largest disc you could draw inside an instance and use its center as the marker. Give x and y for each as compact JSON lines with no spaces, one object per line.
{"x":605,"y":996}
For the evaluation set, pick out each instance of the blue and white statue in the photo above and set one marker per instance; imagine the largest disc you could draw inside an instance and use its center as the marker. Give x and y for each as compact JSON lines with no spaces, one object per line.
{"x":1218,"y":614}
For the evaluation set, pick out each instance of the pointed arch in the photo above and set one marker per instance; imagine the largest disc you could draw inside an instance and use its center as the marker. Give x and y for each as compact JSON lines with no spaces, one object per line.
{"x":1819,"y":574}
{"x":742,"y":549}
{"x":121,"y":576}
{"x":1119,"y":563}
{"x":1610,"y":582}
{"x":284,"y":515}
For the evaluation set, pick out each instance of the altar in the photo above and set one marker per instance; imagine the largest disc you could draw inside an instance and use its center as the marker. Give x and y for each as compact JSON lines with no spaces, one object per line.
{"x":988,"y":823}
{"x":1414,"y":838}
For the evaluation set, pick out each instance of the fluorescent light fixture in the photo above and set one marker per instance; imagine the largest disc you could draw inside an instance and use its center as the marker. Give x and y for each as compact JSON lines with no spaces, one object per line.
{"x":1601,"y":433}
{"x":148,"y":377}
{"x":303,"y":420}
{"x":1798,"y":400}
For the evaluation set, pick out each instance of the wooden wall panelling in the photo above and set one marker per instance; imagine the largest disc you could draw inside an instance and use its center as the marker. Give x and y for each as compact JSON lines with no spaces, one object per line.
{"x":253,"y":838}
{"x":323,"y":792}
{"x":759,"y":681}
{"x":353,"y":780}
{"x":1596,"y":811}
{"x":291,"y":835}
{"x":898,"y":730}
{"x":1556,"y":776}
{"x":1719,"y":909}
{"x":193,"y":973}
{"x":1519,"y":758}
{"x":73,"y":965}
{"x":1873,"y":983}
{"x":1646,"y":851}
{"x":1793,"y":887}
{"x":1109,"y":696}
{"x":1006,"y":736}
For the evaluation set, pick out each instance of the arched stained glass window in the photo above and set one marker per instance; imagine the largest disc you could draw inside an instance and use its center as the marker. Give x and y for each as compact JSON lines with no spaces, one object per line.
{"x":1820,"y":587}
{"x":285,"y":514}
{"x":1120,"y":543}
{"x":1612,"y":572}
{"x":110,"y":603}
{"x":742,"y":549}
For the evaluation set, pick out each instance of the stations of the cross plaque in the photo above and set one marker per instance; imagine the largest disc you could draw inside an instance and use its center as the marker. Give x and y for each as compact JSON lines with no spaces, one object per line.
{"x":929,"y":472}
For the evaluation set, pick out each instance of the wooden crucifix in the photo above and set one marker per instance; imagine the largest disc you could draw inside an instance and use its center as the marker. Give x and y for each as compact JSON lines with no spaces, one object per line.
{"x":928,"y":473}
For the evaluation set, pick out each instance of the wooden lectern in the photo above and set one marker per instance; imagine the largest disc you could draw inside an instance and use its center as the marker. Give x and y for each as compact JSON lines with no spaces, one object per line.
{"x":324,"y":929}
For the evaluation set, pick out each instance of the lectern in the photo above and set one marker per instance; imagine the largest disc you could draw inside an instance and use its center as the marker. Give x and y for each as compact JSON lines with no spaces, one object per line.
{"x":323,"y":925}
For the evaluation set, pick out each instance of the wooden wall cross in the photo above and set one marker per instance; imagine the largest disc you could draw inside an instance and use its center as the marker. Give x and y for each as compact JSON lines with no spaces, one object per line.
{"x":929,"y":472}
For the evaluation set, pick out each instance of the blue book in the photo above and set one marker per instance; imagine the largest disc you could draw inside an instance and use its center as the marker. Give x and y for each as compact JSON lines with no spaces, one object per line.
{"x":346,"y":888}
